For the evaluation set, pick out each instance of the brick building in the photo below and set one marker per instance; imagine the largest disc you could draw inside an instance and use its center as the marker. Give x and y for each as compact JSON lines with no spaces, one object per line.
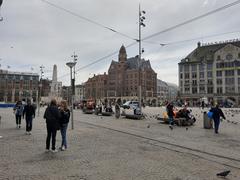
{"x":96,"y":87}
{"x":16,"y":86}
{"x":123,"y":78}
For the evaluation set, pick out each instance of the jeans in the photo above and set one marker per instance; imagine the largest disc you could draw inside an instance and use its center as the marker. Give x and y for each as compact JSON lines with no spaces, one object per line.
{"x":51,"y":133}
{"x":63,"y":130}
{"x":216,"y":124}
{"x":170,"y":120}
{"x":29,"y":123}
{"x":18,"y":119}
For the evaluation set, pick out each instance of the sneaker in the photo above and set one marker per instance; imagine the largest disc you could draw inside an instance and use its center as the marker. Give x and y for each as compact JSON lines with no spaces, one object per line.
{"x":29,"y":133}
{"x":26,"y":132}
{"x":55,"y":151}
{"x":63,"y":148}
{"x":19,"y":126}
{"x":47,"y":150}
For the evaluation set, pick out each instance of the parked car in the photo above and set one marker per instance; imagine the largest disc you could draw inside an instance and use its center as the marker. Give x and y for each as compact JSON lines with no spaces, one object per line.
{"x":130,"y":105}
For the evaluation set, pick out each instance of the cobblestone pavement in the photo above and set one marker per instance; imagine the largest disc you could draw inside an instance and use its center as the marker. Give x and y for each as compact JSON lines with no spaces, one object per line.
{"x":109,"y":148}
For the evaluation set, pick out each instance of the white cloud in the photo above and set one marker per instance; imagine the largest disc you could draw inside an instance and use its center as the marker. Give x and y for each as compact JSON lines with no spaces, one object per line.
{"x":41,"y":34}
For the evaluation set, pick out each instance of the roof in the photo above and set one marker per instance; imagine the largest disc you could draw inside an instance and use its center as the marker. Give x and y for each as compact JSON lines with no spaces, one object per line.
{"x":132,"y":63}
{"x":207,"y":51}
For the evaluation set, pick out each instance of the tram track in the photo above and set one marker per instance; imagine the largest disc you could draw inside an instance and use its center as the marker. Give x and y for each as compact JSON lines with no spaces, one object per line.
{"x":213,"y":157}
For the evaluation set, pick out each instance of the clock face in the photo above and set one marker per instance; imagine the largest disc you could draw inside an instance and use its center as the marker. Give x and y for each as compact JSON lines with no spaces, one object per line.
{"x":229,"y":56}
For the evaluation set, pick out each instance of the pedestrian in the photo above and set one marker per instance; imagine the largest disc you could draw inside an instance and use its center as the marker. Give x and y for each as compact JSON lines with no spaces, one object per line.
{"x":170,"y":114}
{"x":18,"y":111}
{"x":52,"y":116}
{"x":64,"y":120}
{"x":29,"y":113}
{"x":217,"y":113}
{"x":202,"y":104}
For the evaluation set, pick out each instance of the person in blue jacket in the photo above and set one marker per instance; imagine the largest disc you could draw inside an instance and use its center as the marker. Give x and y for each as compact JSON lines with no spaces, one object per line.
{"x":217,"y":113}
{"x":18,"y":111}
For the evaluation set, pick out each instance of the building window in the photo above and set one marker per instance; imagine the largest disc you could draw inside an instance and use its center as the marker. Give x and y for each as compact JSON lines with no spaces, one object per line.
{"x":238,"y":55}
{"x":202,"y":89}
{"x":219,"y":73}
{"x":186,"y":75}
{"x":201,"y":67}
{"x":229,"y":73}
{"x":194,"y":67}
{"x":210,"y":82}
{"x":181,"y":76}
{"x":229,"y":56}
{"x":209,"y":66}
{"x":180,"y":68}
{"x":201,"y":75}
{"x":219,"y":81}
{"x":239,"y":72}
{"x":230,"y":89}
{"x":194,"y":75}
{"x":194,"y":82}
{"x":187,"y":89}
{"x":229,"y":81}
{"x":218,"y":57}
{"x":209,"y":74}
{"x":219,"y":90}
{"x":194,"y":90}
{"x":186,"y":67}
{"x":210,"y":90}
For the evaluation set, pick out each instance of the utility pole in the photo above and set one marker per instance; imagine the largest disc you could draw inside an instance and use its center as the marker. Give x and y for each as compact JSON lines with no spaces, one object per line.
{"x":74,"y":56}
{"x":71,"y":65}
{"x":40,"y":87}
{"x":140,"y":24}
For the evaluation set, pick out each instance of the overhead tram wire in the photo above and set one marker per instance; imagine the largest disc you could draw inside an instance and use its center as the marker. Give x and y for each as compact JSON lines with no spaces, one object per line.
{"x":187,"y":40}
{"x":166,"y":30}
{"x":194,"y":19}
{"x":87,"y":19}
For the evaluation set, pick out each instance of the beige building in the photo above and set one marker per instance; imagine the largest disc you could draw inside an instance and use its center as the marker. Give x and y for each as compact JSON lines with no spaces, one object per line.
{"x":211,"y":71}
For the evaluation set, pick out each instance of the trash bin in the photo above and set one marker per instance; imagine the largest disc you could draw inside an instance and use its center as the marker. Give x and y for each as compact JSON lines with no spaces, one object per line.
{"x":207,"y":122}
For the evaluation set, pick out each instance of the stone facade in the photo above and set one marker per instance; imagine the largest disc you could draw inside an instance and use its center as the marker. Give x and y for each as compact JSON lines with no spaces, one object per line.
{"x":79,"y":92}
{"x":16,"y":86}
{"x":211,"y":71}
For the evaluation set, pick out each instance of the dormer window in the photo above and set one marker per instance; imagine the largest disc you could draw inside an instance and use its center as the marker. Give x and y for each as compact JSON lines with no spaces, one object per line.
{"x":229,"y":56}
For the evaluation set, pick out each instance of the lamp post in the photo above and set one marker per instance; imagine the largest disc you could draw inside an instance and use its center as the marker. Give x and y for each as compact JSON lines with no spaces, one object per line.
{"x":71,"y":65}
{"x":140,"y":24}
{"x":40,"y":88}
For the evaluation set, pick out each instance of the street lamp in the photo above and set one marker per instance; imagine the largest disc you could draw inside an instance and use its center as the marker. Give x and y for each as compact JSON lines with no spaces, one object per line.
{"x":140,"y":24}
{"x":71,"y":65}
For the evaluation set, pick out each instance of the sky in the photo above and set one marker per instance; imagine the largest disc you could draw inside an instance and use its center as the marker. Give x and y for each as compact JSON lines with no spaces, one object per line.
{"x":35,"y":33}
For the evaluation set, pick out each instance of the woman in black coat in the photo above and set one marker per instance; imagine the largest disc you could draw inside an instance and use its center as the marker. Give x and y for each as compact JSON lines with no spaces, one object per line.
{"x":52,"y":117}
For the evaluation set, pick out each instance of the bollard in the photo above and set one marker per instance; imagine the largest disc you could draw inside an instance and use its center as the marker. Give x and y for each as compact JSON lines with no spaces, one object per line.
{"x":207,"y":122}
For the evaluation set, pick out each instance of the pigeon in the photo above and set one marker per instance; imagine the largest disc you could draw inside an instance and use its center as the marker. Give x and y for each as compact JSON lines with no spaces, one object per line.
{"x":186,"y":129}
{"x":223,"y":174}
{"x":148,"y":126}
{"x":171,"y":127}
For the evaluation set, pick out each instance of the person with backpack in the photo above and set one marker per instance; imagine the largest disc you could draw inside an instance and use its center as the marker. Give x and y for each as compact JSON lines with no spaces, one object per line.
{"x":52,"y":116}
{"x":217,"y":113}
{"x":18,"y":111}
{"x":29,"y":113}
{"x":64,"y":120}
